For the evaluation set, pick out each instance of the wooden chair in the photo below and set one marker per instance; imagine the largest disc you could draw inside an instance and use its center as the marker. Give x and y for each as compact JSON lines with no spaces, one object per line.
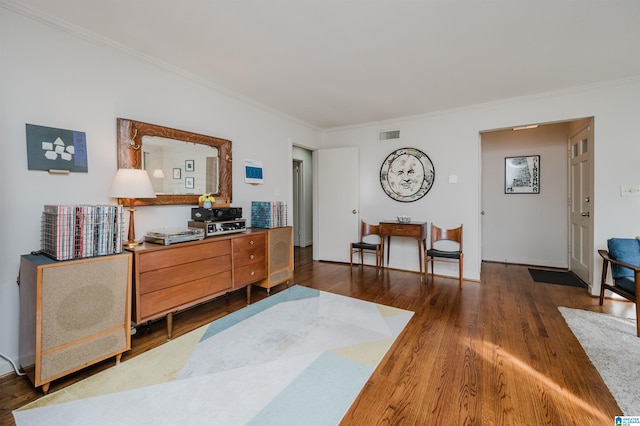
{"x":625,"y":276}
{"x":361,"y":246}
{"x":434,"y":254}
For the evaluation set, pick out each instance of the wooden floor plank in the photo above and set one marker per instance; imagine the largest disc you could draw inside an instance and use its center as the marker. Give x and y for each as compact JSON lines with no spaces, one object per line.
{"x":497,"y":352}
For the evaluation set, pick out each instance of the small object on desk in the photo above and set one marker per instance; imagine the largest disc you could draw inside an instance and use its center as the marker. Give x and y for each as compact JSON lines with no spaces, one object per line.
{"x":404,"y":218}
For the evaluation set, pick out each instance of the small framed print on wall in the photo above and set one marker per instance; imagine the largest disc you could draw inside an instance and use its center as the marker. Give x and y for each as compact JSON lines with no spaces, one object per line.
{"x":522,"y":175}
{"x":177,"y":173}
{"x":189,"y":166}
{"x":188,"y":183}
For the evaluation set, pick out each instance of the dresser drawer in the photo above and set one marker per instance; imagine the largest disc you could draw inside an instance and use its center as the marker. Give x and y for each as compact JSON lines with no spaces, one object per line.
{"x":177,"y":255}
{"x":402,"y":229}
{"x":168,"y":277}
{"x":249,"y":273}
{"x":249,"y":256}
{"x":181,"y":296}
{"x":249,"y":242}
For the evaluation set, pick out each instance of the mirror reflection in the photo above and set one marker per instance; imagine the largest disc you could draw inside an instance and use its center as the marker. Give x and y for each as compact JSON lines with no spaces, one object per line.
{"x":179,"y":167}
{"x":181,"y":164}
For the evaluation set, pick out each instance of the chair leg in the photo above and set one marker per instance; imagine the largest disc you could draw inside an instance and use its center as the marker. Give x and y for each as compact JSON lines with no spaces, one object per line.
{"x":637,"y":318}
{"x":432,"y":267}
{"x":460,"y":272}
{"x":351,"y":257}
{"x":426,"y":267}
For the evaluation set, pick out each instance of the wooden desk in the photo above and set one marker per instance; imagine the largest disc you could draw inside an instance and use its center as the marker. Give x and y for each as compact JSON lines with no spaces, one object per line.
{"x":417,"y":230}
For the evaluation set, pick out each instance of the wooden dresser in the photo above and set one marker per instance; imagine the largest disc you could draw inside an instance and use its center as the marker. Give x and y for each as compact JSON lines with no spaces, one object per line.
{"x":170,"y":278}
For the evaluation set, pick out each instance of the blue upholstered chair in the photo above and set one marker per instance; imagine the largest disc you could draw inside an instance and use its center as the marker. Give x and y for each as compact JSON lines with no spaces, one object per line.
{"x":624,"y":257}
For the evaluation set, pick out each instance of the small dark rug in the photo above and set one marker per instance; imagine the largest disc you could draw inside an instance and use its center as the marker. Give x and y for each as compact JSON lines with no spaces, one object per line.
{"x":556,"y":277}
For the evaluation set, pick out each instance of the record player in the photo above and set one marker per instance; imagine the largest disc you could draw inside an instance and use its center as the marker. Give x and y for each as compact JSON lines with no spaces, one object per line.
{"x":174,"y":235}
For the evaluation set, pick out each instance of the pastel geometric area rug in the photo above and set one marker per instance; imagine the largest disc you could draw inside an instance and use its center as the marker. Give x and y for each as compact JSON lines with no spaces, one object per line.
{"x":614,"y":349}
{"x":297,"y":357}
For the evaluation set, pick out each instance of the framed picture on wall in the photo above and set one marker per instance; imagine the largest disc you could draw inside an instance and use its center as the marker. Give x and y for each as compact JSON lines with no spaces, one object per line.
{"x":177,"y":173}
{"x":522,"y":175}
{"x":188,"y":165}
{"x":188,"y":183}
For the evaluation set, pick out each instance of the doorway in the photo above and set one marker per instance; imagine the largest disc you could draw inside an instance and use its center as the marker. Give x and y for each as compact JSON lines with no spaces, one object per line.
{"x":302,"y":189}
{"x":529,"y":229}
{"x":298,"y":202}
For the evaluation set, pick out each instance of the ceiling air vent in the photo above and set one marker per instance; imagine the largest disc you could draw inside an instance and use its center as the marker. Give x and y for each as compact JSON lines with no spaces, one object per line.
{"x":392,"y":134}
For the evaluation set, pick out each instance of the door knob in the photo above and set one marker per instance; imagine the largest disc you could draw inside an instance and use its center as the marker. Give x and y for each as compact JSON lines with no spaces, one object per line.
{"x":354,"y":211}
{"x":585,"y":214}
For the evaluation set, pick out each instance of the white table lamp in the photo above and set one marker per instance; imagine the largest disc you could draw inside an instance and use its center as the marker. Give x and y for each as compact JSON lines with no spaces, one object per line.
{"x":132,"y":184}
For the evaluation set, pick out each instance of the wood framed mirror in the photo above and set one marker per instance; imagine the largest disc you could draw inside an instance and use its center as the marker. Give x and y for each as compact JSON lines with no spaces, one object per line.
{"x":182,"y":165}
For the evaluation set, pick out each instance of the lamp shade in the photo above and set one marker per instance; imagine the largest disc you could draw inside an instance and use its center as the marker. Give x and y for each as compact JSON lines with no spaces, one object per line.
{"x":132,"y":183}
{"x":158,"y":173}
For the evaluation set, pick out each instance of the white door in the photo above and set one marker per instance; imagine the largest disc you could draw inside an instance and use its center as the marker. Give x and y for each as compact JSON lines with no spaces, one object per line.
{"x":338,"y":195}
{"x":581,"y":219}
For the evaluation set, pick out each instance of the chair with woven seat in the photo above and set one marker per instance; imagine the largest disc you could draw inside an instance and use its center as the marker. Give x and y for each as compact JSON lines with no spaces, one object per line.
{"x":362,"y":246}
{"x":436,"y":253}
{"x":624,"y":257}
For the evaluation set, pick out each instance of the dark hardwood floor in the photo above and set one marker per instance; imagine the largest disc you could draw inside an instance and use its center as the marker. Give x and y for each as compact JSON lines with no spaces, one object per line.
{"x":496,"y":352}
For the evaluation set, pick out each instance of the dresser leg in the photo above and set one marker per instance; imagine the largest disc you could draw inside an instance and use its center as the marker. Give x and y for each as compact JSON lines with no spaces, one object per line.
{"x":249,"y":294}
{"x":169,"y":325}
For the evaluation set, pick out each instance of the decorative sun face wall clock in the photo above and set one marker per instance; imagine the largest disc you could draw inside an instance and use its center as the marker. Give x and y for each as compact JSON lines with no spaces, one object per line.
{"x":407,"y":175}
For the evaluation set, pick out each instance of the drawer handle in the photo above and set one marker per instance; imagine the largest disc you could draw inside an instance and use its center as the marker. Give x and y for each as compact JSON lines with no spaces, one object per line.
{"x":251,"y":242}
{"x":252,"y":273}
{"x":251,"y":257}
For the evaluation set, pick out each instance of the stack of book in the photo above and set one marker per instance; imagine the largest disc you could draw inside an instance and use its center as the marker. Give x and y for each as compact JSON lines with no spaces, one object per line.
{"x":268,"y":214}
{"x":79,"y":231}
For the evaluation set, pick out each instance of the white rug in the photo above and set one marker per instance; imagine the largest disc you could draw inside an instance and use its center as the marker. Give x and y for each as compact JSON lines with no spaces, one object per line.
{"x":300,"y":356}
{"x":614,"y":349}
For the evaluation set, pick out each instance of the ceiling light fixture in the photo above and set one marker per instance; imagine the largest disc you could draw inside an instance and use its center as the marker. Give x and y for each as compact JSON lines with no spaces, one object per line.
{"x":531,"y":126}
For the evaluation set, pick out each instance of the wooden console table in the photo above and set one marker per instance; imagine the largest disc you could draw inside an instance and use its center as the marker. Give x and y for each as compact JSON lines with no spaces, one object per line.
{"x":171,"y":278}
{"x":417,"y":230}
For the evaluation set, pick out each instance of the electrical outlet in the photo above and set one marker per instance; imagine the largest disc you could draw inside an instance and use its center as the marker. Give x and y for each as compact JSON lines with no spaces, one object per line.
{"x":630,"y":190}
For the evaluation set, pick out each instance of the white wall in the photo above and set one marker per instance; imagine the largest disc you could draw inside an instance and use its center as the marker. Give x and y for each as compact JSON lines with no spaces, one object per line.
{"x":526,"y":228}
{"x":452,"y":141}
{"x":52,"y":78}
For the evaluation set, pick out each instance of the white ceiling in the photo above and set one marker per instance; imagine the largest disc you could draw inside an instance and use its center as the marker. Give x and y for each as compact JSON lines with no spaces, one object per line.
{"x":336,"y":63}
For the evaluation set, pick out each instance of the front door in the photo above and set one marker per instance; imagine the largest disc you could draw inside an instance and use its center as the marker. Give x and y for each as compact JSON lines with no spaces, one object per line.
{"x":581,"y":210}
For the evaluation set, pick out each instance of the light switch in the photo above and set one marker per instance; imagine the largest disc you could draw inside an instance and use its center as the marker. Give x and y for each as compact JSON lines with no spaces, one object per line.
{"x":453,"y":179}
{"x":630,"y":190}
